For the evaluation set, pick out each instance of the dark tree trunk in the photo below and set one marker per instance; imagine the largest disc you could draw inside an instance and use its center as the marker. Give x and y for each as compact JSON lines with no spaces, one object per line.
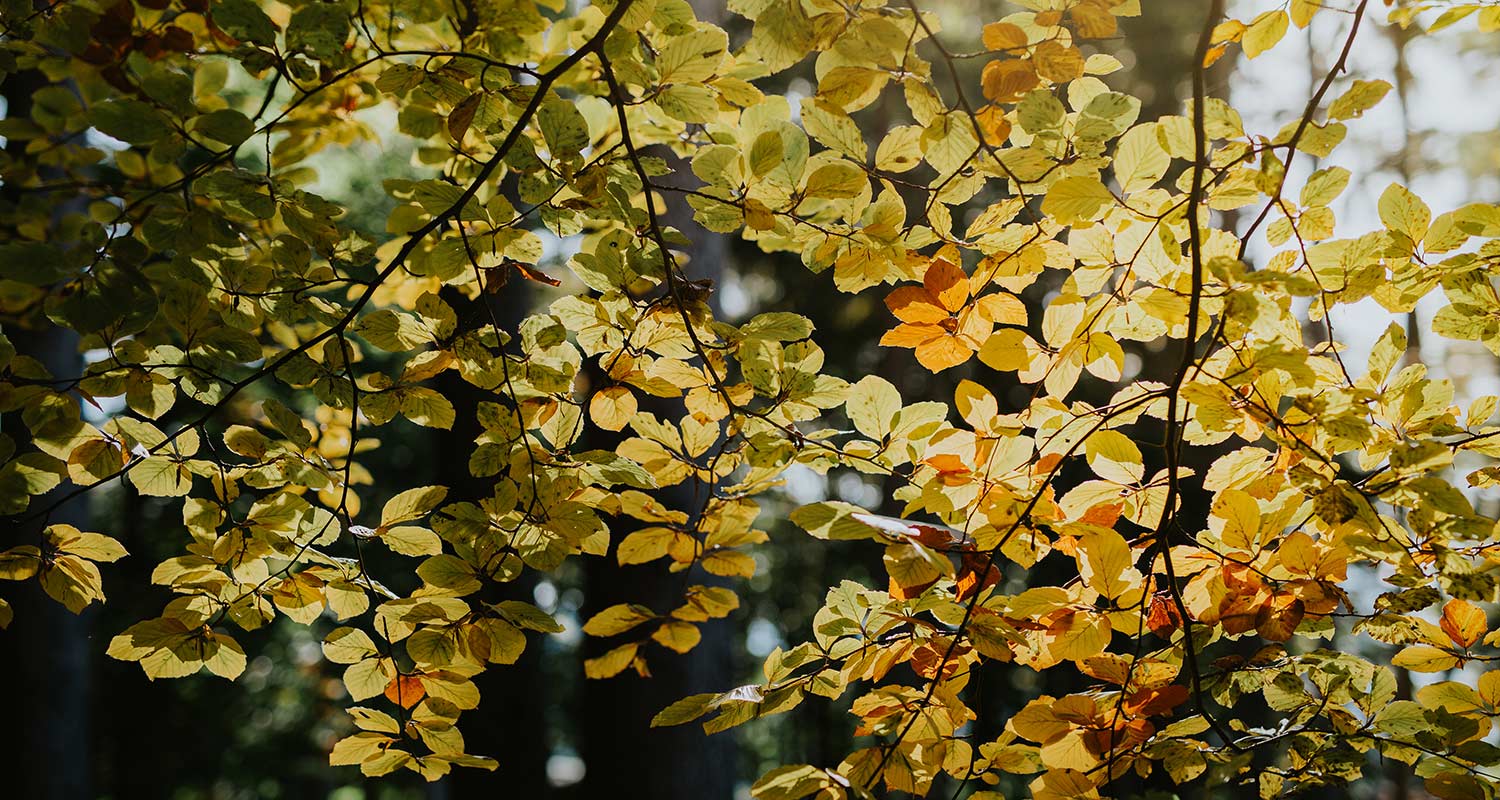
{"x":46,"y":649}
{"x":511,"y":724}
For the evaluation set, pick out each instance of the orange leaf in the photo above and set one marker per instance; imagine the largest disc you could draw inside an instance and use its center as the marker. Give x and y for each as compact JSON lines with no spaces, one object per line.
{"x":943,"y":352}
{"x":947,"y":463}
{"x":994,"y":124}
{"x":1464,"y":622}
{"x":405,"y":690}
{"x":1058,"y":62}
{"x":1279,"y":617}
{"x":914,"y":304}
{"x":929,"y":658}
{"x":1092,"y":21}
{"x":901,"y":592}
{"x":1214,"y":54}
{"x":531,"y":273}
{"x":969,"y":582}
{"x":1153,"y":702}
{"x":911,"y":334}
{"x":1004,"y":36}
{"x":947,"y":283}
{"x":1105,"y":515}
{"x":1006,"y":81}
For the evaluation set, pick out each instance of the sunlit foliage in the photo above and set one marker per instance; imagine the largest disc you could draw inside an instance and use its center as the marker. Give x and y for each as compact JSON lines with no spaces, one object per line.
{"x":176,"y":234}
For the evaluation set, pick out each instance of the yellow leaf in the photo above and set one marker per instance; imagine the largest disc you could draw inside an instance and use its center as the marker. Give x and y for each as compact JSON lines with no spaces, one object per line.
{"x":617,"y":619}
{"x":1404,"y":212}
{"x":1264,"y":32}
{"x":612,"y":407}
{"x":1114,"y":457}
{"x":677,"y":636}
{"x":20,"y":562}
{"x":1107,"y":564}
{"x":839,"y":179}
{"x":1228,"y":31}
{"x":223,"y":656}
{"x":1009,"y":350}
{"x":1302,"y":11}
{"x":645,"y":545}
{"x":900,"y":150}
{"x":612,"y":662}
{"x":729,"y":563}
{"x":410,"y":540}
{"x":1236,"y":519}
{"x":1080,"y":635}
{"x":73,"y":582}
{"x":1425,"y":658}
{"x":872,"y":406}
{"x":411,"y":504}
{"x":1140,"y":159}
{"x":367,"y":678}
{"x":92,"y":546}
{"x":1077,"y":199}
{"x":346,"y":599}
{"x":348,"y":646}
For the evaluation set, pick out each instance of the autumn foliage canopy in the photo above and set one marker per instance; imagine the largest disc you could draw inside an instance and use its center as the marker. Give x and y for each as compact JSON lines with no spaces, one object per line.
{"x":1029,"y":229}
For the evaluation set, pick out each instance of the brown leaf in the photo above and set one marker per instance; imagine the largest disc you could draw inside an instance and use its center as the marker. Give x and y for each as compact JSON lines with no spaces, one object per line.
{"x":1163,"y":619}
{"x":462,"y":116}
{"x":1279,"y":617}
{"x":531,"y":273}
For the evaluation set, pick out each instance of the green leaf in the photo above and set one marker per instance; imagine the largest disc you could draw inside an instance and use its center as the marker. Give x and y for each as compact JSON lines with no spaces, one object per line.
{"x":449,"y":573}
{"x":692,"y":57}
{"x":225,"y":126}
{"x":160,"y":476}
{"x":564,"y":128}
{"x":833,"y":521}
{"x":129,"y":121}
{"x":685,"y":710}
{"x":392,"y":331}
{"x":244,"y":20}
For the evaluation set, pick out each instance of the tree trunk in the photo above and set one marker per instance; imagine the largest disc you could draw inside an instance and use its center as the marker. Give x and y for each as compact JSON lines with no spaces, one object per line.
{"x":47,"y":647}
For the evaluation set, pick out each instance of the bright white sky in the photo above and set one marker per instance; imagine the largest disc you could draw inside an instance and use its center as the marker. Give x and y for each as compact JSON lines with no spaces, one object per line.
{"x":1455,"y":90}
